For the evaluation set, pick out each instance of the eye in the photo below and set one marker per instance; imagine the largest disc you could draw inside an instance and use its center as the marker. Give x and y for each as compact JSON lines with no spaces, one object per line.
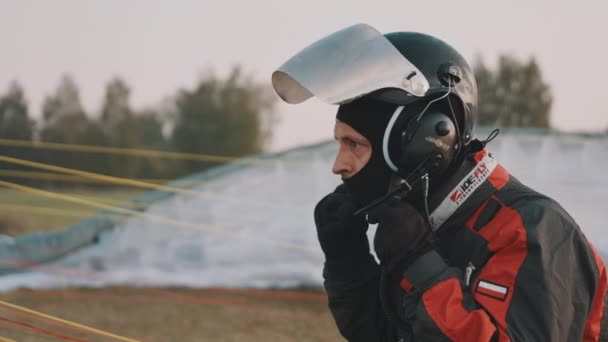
{"x":354,"y":144}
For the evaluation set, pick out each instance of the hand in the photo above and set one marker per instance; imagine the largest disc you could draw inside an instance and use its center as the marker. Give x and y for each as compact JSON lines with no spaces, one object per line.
{"x":402,"y":232}
{"x":341,"y":235}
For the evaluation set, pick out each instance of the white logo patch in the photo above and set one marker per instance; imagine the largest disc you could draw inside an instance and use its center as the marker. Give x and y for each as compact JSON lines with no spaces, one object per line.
{"x":462,"y":191}
{"x":492,"y":290}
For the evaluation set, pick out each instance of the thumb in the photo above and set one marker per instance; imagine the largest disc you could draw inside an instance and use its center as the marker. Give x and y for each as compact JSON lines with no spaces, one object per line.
{"x":375,"y":214}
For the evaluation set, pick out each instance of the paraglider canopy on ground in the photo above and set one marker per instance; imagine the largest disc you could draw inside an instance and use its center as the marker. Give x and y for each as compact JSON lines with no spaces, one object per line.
{"x":249,"y":223}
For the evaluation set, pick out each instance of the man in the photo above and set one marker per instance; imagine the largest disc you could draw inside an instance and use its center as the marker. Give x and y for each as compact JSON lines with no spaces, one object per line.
{"x":467,"y":252}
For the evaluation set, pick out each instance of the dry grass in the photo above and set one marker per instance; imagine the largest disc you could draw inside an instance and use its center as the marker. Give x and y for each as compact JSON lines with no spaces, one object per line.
{"x":174,"y":314}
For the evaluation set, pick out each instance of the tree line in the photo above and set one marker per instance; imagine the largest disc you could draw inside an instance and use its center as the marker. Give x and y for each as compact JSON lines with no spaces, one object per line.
{"x":230,"y":116}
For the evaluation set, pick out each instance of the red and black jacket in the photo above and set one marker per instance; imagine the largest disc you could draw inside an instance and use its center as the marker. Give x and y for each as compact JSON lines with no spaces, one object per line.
{"x":512,"y":265}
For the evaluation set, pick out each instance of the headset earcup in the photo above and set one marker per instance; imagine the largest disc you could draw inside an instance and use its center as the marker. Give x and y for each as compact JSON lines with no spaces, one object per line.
{"x":434,"y":136}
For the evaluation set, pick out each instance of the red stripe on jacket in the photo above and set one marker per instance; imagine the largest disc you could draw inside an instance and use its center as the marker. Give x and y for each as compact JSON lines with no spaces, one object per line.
{"x":443,"y":303}
{"x":505,"y":233}
{"x":499,"y":177}
{"x":592,"y":326}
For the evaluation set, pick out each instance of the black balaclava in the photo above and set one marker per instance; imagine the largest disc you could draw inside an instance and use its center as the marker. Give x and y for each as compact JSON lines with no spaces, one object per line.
{"x":369,"y":117}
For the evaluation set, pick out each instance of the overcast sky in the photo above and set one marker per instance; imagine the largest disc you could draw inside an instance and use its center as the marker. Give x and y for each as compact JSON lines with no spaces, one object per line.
{"x":159,"y":46}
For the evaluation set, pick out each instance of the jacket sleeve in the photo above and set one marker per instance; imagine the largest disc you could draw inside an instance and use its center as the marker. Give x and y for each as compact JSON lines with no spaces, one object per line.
{"x":542,"y":282}
{"x":352,"y":288}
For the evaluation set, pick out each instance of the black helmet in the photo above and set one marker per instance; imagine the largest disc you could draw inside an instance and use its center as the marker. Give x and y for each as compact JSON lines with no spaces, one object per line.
{"x":443,"y":67}
{"x":411,"y":70}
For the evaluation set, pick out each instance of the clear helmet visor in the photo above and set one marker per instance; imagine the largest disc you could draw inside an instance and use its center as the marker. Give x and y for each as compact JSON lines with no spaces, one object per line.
{"x":345,"y":65}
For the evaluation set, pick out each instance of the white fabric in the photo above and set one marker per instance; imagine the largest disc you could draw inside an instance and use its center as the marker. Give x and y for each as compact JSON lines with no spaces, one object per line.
{"x":462,"y":191}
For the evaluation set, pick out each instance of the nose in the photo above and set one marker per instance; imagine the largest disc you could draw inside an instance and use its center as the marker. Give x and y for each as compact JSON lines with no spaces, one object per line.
{"x":342,"y":165}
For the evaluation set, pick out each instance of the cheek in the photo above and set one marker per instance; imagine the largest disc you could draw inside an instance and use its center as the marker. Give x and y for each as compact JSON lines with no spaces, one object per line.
{"x":362,"y":157}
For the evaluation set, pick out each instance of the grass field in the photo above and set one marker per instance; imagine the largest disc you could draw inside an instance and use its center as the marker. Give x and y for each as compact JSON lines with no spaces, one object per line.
{"x":172,"y":315}
{"x":148,"y":314}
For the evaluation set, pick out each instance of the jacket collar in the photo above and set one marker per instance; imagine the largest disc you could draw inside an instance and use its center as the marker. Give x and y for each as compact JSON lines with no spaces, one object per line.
{"x":452,"y":203}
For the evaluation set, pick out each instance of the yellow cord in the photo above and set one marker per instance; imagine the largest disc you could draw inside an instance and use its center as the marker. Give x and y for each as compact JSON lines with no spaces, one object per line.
{"x":73,"y":324}
{"x":23,"y":174}
{"x":130,"y":152}
{"x":212,"y":229}
{"x":130,"y":182}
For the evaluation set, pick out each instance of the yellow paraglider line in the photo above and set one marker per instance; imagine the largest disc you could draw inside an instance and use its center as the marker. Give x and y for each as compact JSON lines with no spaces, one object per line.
{"x":131,"y":182}
{"x":24,"y":174}
{"x":44,"y":210}
{"x":132,"y":152}
{"x":157,"y":218}
{"x":66,"y":322}
{"x":51,"y":211}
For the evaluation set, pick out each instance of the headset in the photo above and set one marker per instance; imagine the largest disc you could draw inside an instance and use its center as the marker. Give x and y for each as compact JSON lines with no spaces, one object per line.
{"x":429,"y":142}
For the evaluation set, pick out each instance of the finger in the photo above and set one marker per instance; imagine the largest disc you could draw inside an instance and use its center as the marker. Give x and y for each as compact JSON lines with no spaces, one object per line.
{"x":395,"y":202}
{"x":374,"y":213}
